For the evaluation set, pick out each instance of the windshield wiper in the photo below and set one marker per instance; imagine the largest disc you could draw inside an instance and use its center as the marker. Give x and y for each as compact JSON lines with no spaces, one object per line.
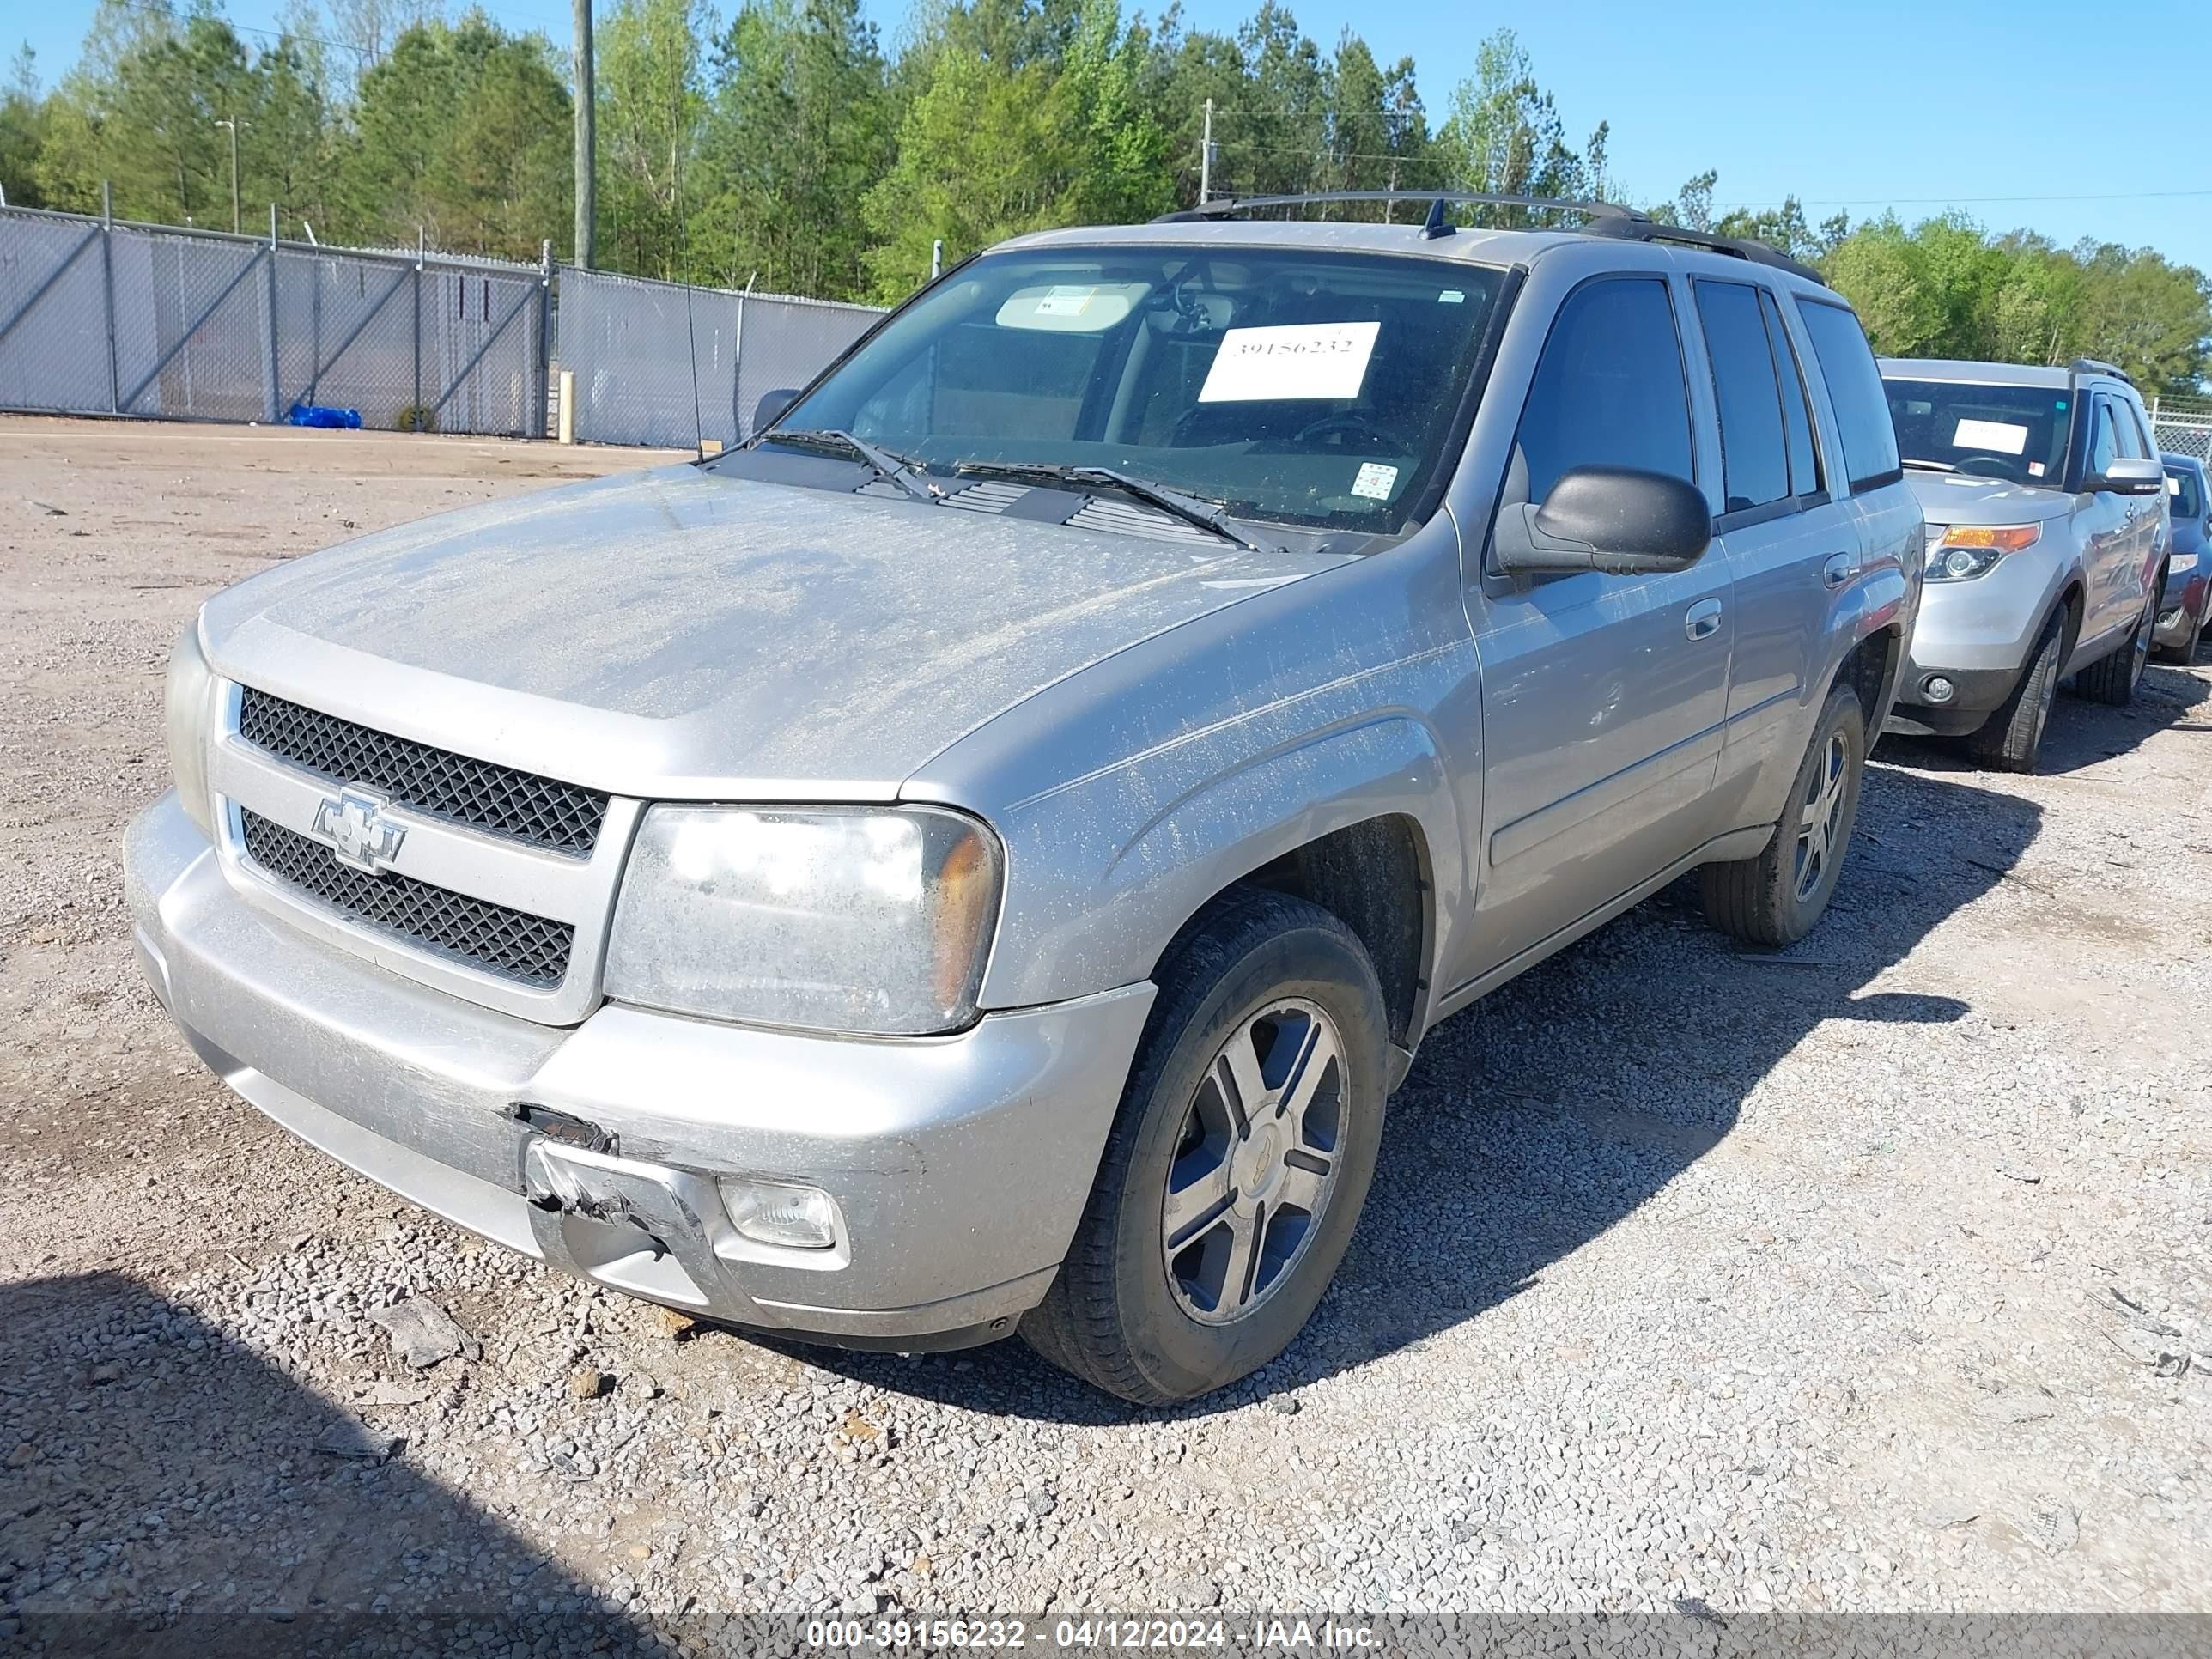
{"x":900,"y":470}
{"x":1932,"y":466}
{"x":1206,"y":515}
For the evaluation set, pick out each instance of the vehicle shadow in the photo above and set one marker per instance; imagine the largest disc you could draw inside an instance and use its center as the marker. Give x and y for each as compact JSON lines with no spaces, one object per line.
{"x":1543,"y":1115}
{"x":169,"y":1494}
{"x":2082,"y":733}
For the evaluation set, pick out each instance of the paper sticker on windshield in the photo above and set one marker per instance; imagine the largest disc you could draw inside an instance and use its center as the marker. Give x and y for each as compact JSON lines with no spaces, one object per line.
{"x":1375,"y":481}
{"x":2172,"y":484}
{"x":1300,"y":360}
{"x":1999,"y":437}
{"x":2035,"y":469}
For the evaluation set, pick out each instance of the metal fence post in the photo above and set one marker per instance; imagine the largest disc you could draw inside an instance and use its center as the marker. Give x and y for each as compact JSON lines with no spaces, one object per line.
{"x":107,"y":285}
{"x":545,"y":331}
{"x":737,"y":375}
{"x":275,"y":379}
{"x":415,"y":404}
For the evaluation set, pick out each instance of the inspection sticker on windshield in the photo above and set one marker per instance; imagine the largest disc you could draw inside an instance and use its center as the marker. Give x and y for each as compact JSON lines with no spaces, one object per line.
{"x":2002,"y":437}
{"x":1375,"y":481}
{"x":1299,"y":360}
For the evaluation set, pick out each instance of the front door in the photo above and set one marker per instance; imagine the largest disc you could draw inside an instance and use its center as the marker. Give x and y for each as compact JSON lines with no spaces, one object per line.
{"x":1603,"y":697}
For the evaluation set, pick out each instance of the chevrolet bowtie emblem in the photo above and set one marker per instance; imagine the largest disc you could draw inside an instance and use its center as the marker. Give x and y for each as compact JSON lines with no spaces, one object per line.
{"x":353,"y":822}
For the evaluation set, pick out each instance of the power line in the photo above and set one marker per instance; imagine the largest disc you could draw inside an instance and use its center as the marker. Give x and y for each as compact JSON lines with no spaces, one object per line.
{"x":1962,"y":201}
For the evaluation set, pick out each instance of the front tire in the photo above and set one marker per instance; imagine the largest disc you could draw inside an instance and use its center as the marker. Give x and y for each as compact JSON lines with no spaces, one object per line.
{"x":1775,"y":898}
{"x":2112,"y":678}
{"x":1238,"y":1162}
{"x":2183,"y":654}
{"x":2012,"y":737}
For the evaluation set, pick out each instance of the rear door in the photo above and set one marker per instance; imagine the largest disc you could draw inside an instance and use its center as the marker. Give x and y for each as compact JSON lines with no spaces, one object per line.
{"x":1790,"y":549}
{"x":1602,"y":696}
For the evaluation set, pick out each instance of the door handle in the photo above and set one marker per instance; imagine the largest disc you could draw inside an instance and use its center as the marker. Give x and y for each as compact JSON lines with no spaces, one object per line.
{"x":1838,"y":570}
{"x":1702,"y":620}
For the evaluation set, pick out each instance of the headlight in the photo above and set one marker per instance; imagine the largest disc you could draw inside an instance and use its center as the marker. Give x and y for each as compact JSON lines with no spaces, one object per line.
{"x":1959,"y":552}
{"x":2180,"y":562}
{"x":188,"y":710}
{"x":853,"y":918}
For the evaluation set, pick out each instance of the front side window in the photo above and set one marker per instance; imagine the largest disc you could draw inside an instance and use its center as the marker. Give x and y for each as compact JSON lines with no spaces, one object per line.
{"x":1607,"y":392}
{"x":1313,"y":389}
{"x":1855,"y":387}
{"x":2133,"y":444}
{"x":1754,"y":459}
{"x":2016,"y":433}
{"x":2105,"y":441}
{"x":2185,"y":492}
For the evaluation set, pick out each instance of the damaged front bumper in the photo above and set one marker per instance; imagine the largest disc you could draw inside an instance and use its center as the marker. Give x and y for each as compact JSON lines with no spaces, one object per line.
{"x":957,"y":1165}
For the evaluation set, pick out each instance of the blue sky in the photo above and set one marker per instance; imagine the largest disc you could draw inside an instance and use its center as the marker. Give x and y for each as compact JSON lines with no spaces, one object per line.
{"x":2018,"y":112}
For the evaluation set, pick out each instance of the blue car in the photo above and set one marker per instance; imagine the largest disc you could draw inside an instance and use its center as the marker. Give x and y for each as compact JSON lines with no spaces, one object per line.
{"x":2187,"y":607}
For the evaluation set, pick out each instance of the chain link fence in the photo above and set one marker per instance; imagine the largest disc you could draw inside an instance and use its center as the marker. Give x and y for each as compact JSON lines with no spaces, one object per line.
{"x":659,"y":363}
{"x":2182,"y":426}
{"x":99,"y":316}
{"x":103,"y":318}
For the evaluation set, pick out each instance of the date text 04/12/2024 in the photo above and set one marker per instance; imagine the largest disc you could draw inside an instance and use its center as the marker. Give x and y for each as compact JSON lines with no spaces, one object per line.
{"x":1090,"y":1634}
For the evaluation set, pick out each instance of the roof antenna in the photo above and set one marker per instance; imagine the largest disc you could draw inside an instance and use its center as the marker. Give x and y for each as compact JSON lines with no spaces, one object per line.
{"x":1437,"y":224}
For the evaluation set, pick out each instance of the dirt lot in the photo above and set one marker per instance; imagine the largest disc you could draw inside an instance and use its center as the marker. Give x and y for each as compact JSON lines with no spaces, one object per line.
{"x":1870,"y":1277}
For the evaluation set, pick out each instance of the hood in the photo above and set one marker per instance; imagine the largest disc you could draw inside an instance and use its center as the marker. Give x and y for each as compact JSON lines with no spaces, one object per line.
{"x":1950,"y":498}
{"x":679,"y":633}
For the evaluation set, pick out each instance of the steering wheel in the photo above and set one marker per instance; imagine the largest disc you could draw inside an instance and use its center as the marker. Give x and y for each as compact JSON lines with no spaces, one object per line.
{"x":1352,"y":424}
{"x":1985,"y":466}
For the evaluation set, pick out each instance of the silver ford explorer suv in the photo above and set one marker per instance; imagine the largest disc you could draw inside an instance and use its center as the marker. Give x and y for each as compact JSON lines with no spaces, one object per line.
{"x":2047,"y":533}
{"x":982,"y":855}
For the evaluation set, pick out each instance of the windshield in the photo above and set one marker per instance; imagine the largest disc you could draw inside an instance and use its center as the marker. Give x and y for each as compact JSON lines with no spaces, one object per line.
{"x":1311,"y":389}
{"x":2013,"y":432}
{"x":2184,"y":498}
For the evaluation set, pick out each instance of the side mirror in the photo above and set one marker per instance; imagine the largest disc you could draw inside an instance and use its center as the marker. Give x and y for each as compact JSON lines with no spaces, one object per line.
{"x":2129,"y":477}
{"x":769,"y":409}
{"x":1611,"y":518}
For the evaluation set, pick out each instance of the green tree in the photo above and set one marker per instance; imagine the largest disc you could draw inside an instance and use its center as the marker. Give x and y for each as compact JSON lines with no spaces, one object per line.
{"x":461,"y":129}
{"x":22,"y":133}
{"x":652,"y":105}
{"x":1505,"y":136}
{"x":800,"y":128}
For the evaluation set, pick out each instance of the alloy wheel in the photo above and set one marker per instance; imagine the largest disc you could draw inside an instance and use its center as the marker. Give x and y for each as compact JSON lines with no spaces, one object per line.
{"x":1819,"y":816}
{"x":1255,"y":1164}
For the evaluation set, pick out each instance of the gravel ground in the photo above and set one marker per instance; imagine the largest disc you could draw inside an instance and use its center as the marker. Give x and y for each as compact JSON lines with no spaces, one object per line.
{"x":1870,"y":1277}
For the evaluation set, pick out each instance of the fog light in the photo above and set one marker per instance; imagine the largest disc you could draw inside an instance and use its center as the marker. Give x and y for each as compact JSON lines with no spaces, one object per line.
{"x":2169,"y":618}
{"x":1936,"y":688}
{"x":774,"y":1213}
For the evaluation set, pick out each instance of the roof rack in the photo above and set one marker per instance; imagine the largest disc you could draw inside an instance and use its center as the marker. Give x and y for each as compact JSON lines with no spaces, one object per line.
{"x":2097,"y":365}
{"x":1224,"y":207}
{"x":1739,"y":248}
{"x":1605,"y":219}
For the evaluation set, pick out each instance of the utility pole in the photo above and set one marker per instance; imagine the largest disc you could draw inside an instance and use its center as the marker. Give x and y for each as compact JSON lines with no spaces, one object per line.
{"x":586,"y":140}
{"x":1206,"y":158}
{"x":232,"y":123}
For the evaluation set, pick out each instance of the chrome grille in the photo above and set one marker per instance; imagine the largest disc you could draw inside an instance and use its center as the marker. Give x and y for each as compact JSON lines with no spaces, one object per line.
{"x":499,"y":799}
{"x":513,"y":943}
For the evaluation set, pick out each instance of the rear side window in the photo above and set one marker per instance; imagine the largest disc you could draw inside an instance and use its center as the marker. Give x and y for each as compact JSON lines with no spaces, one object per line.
{"x":1754,"y":462}
{"x":1796,"y":413}
{"x":1854,"y":388}
{"x":1608,"y":392}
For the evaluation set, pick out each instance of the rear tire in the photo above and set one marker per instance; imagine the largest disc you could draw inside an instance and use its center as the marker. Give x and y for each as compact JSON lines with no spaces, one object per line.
{"x":1775,"y":898}
{"x":2112,"y":678}
{"x":1145,"y":1306}
{"x":2013,"y":735}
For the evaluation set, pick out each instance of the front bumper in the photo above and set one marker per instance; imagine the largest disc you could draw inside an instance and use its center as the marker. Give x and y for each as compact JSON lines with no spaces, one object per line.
{"x":959,"y":1164}
{"x":1977,"y":634}
{"x":2179,"y":607}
